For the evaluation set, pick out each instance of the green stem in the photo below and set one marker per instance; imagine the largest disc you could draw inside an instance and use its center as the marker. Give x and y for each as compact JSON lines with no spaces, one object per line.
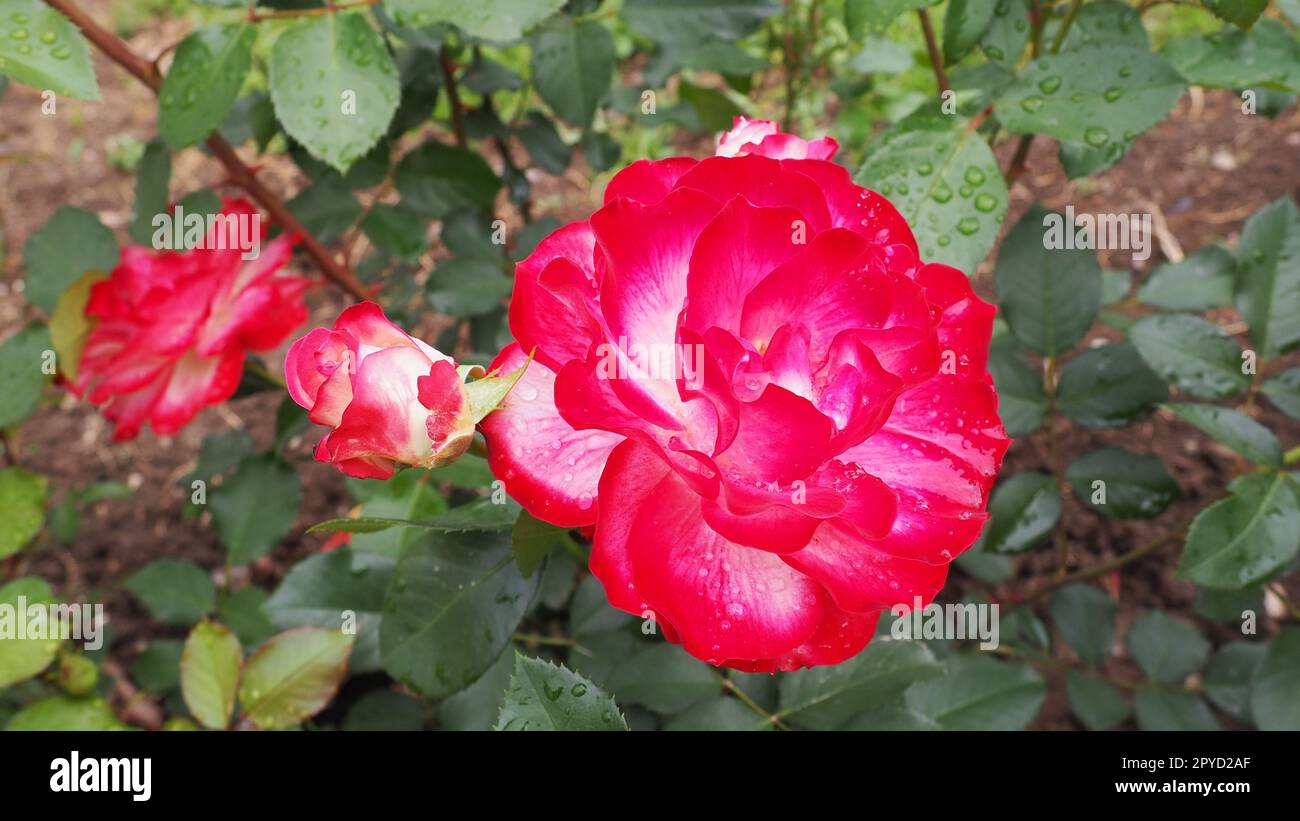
{"x":1291,"y":456}
{"x":328,"y":8}
{"x":1099,"y":569}
{"x":932,"y":46}
{"x":549,"y":641}
{"x":743,"y":697}
{"x":1065,"y":25}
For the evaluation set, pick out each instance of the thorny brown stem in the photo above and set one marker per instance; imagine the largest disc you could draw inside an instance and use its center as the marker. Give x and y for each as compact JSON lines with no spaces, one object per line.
{"x":932,"y":45}
{"x":1099,"y":569}
{"x":453,"y":97}
{"x":119,"y":52}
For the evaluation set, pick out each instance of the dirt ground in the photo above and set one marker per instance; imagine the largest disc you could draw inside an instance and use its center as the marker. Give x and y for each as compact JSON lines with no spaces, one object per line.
{"x":1201,"y":172}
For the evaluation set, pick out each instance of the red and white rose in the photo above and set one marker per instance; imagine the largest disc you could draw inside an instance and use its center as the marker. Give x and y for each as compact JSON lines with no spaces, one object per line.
{"x":801,"y":430}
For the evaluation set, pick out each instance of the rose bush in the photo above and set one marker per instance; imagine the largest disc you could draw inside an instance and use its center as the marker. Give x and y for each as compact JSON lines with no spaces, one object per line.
{"x":799,"y":429}
{"x":757,"y":407}
{"x":171,"y":328}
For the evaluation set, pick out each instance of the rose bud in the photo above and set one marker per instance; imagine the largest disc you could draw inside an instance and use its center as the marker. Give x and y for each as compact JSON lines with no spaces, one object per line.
{"x":389,"y":398}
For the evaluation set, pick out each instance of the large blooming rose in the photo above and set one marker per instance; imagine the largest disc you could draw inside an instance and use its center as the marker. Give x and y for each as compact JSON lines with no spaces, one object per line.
{"x":170,"y":328}
{"x":389,"y":397}
{"x":777,"y":418}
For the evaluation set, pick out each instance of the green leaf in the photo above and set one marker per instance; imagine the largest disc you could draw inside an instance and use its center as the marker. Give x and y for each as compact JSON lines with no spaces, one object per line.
{"x":334,"y":86}
{"x":243,"y":612}
{"x":1082,"y":160}
{"x":1283,"y":390}
{"x":66,"y":713}
{"x":174,"y":591}
{"x":992,"y":568}
{"x":478,"y":705}
{"x":892,"y":715}
{"x":1104,"y":22}
{"x":499,"y":20}
{"x":1273,"y":702}
{"x":1166,"y":649}
{"x":1086,"y":618}
{"x":600,"y":150}
{"x":1021,"y":402}
{"x":861,"y":16}
{"x":1200,"y":282}
{"x":978,"y":693}
{"x":1008,"y":33}
{"x":152,"y":187}
{"x":1048,"y":297}
{"x":210,"y":667}
{"x":467,"y":287}
{"x":1227,"y":681}
{"x":1239,"y":432}
{"x":22,"y":371}
{"x":69,"y":327}
{"x":1162,"y":709}
{"x":1114,"y":286}
{"x":1268,"y":277}
{"x":1022,"y":511}
{"x":158,"y":667}
{"x":605,"y":636}
{"x":396,"y":229}
{"x":1109,"y":387}
{"x":323,"y":589}
{"x":437,"y":180}
{"x":483,"y":515}
{"x":964,"y":23}
{"x":204,"y":79}
{"x":713,"y":110}
{"x":1228,"y":606}
{"x":531,"y":540}
{"x":721,"y":713}
{"x":825,"y":698}
{"x":21,"y":657}
{"x":1263,"y":58}
{"x":254,"y":507}
{"x":663,"y":678}
{"x":542,"y":696}
{"x":410,"y":495}
{"x":385,"y":711}
{"x":1136,"y":486}
{"x":1095,"y":702}
{"x":945,"y":180}
{"x":1241,"y":13}
{"x":669,"y":21}
{"x":544,"y":144}
{"x":1092,"y":96}
{"x":293,"y":676}
{"x":22,"y":500}
{"x":72,"y":243}
{"x":573,"y":67}
{"x":42,"y":49}
{"x":451,"y":609}
{"x":327,"y":209}
{"x":360,"y":524}
{"x":1246,"y":538}
{"x":1193,"y":355}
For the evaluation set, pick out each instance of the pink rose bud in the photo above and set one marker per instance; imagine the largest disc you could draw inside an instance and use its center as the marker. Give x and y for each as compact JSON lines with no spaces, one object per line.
{"x":389,"y":398}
